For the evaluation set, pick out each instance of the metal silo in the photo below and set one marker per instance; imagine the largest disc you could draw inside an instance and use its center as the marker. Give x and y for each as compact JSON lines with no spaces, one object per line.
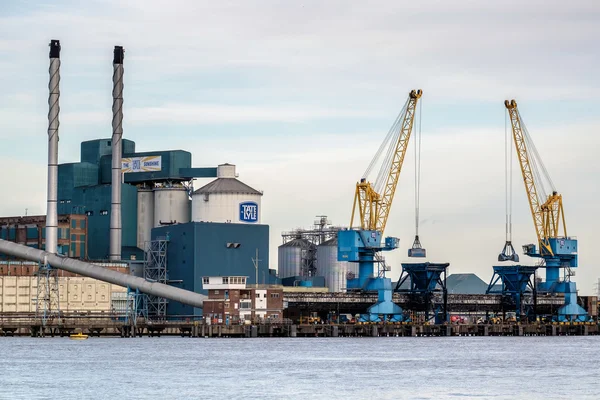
{"x":334,"y":271}
{"x":171,"y":206}
{"x":145,"y":216}
{"x":296,"y":258}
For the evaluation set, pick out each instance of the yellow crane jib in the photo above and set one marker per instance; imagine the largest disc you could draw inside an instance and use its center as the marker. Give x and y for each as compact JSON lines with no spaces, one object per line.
{"x":374,"y":207}
{"x":547,"y":214}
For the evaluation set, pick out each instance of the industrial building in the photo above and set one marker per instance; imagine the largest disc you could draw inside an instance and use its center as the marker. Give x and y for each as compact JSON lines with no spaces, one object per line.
{"x":215,"y":230}
{"x":231,"y":300}
{"x":308,"y":257}
{"x":19,"y":290}
{"x":31,"y":231}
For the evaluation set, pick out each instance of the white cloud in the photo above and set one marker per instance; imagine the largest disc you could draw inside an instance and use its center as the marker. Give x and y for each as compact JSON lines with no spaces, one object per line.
{"x":217,"y":113}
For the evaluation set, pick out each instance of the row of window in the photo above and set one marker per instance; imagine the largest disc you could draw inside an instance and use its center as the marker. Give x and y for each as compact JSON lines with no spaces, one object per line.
{"x":91,"y":213}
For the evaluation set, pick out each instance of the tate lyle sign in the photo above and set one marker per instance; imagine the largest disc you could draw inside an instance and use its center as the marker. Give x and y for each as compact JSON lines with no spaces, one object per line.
{"x":141,"y":164}
{"x":249,"y":211}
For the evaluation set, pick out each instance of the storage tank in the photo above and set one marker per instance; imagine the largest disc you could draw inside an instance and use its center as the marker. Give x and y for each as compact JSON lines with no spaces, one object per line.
{"x":171,"y":206}
{"x":145,"y":216}
{"x":227,"y":200}
{"x":293,"y":256}
{"x":334,"y":271}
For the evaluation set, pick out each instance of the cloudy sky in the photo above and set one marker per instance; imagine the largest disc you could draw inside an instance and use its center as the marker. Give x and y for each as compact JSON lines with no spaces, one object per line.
{"x":300,"y":94}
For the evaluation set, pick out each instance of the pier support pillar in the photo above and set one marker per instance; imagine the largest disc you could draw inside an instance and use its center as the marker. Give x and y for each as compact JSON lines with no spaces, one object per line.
{"x":335,"y":331}
{"x":254,"y":331}
{"x":413,"y":331}
{"x":293,"y":331}
{"x":374,"y":331}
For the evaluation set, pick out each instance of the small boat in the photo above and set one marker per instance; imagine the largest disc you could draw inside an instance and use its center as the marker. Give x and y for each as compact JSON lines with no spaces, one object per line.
{"x":78,"y":336}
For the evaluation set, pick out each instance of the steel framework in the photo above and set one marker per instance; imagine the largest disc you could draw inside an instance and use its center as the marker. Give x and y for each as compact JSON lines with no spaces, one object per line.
{"x":155,"y":270}
{"x":427,"y":283}
{"x":321,"y":232}
{"x":47,"y":301}
{"x":517,"y":288}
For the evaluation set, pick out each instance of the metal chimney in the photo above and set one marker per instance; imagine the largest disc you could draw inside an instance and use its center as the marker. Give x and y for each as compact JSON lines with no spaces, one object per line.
{"x":117,"y":151}
{"x":53,"y":123}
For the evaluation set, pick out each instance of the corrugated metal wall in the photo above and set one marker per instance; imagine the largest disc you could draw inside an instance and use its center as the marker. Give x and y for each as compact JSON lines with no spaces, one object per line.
{"x":95,"y":201}
{"x":200,"y":249}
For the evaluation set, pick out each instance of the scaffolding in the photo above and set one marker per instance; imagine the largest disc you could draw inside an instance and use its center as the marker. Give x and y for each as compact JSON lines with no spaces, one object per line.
{"x":47,"y":301}
{"x":321,"y":231}
{"x":155,"y":270}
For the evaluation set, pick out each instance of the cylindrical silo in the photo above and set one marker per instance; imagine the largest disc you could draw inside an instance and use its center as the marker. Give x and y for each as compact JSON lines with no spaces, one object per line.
{"x":171,"y":206}
{"x":295,"y":258}
{"x":226,"y":200}
{"x":145,"y":216}
{"x":334,"y":271}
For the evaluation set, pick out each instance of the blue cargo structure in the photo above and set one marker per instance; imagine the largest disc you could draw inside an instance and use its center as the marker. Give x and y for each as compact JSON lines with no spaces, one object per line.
{"x":199,"y":249}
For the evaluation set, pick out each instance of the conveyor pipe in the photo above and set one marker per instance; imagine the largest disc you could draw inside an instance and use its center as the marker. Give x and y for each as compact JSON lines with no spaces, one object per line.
{"x":103,"y":274}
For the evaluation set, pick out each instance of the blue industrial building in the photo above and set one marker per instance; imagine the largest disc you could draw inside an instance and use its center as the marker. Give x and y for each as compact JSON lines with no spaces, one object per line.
{"x":213,"y":231}
{"x":199,"y":249}
{"x":85,"y":188}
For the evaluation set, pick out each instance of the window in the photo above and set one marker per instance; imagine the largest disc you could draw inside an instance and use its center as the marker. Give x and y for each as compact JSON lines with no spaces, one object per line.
{"x":264,"y":296}
{"x":225,"y":280}
{"x":205,"y":280}
{"x":245,"y":305}
{"x":274,"y":295}
{"x":73,"y":223}
{"x":73,"y":238}
{"x":258,"y":295}
{"x":216,"y":292}
{"x":83,"y":224}
{"x":89,"y":213}
{"x":103,"y":212}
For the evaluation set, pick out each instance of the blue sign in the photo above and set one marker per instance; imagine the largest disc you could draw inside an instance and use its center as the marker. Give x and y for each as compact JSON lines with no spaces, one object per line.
{"x":249,"y":211}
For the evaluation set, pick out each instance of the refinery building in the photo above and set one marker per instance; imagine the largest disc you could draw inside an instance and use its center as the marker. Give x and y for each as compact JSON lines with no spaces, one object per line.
{"x":188,"y":232}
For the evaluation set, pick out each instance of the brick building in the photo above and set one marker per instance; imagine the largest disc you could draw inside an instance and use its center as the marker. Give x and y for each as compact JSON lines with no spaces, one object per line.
{"x":231,"y":300}
{"x":31,"y":231}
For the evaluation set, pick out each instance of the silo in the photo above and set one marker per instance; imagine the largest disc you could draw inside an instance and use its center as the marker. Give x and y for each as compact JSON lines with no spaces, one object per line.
{"x":226,"y":200}
{"x":334,"y":271}
{"x":294,"y":257}
{"x":145,"y":216}
{"x":171,"y":205}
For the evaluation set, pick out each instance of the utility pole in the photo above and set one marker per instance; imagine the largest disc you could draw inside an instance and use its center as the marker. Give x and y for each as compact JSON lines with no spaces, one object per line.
{"x":255,"y":262}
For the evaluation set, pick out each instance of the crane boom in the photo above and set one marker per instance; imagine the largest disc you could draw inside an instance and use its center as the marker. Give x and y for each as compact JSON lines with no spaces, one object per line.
{"x":374,"y":208}
{"x":547,"y":215}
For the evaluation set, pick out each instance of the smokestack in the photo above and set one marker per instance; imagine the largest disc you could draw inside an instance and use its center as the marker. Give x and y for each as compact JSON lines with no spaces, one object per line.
{"x":53,"y":86}
{"x":117,"y":151}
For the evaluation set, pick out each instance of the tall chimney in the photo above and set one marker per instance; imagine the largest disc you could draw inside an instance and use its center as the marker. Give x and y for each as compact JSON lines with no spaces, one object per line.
{"x":53,"y":86}
{"x":117,"y":151}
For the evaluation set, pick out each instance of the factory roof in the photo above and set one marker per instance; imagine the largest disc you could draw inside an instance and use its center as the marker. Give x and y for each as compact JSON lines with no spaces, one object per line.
{"x":227,"y":185}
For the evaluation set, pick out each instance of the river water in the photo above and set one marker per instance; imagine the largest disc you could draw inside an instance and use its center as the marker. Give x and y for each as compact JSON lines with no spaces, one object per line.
{"x":301,"y":368}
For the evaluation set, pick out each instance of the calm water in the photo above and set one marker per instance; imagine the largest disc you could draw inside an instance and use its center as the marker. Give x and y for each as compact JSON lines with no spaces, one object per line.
{"x":344,"y":368}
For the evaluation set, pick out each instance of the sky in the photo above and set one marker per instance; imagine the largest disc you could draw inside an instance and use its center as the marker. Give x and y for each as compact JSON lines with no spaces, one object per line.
{"x":299,"y":95}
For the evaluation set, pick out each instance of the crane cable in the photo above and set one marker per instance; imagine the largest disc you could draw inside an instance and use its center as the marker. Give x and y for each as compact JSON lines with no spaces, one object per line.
{"x":418,"y":169}
{"x":508,"y":154}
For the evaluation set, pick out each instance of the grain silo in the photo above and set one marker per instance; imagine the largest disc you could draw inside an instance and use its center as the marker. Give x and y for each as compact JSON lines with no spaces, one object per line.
{"x":227,"y":200}
{"x":334,"y":271}
{"x":171,"y":205}
{"x":296,"y":258}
